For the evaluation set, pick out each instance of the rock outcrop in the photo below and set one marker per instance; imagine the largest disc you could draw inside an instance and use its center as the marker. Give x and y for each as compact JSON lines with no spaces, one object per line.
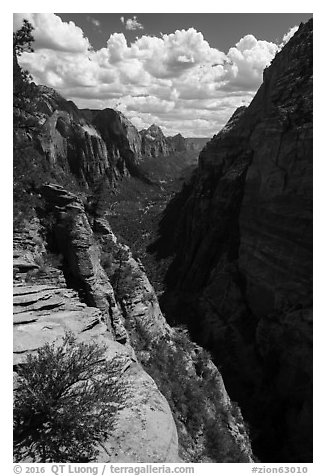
{"x":103,"y":293}
{"x":72,"y":274}
{"x":136,"y":295}
{"x":156,"y":144}
{"x":242,"y":276}
{"x":107,"y":146}
{"x":178,"y":143}
{"x":89,"y":147}
{"x":75,"y":240}
{"x":119,"y":134}
{"x":76,"y":148}
{"x":45,"y":309}
{"x":43,"y":314}
{"x":149,"y":331}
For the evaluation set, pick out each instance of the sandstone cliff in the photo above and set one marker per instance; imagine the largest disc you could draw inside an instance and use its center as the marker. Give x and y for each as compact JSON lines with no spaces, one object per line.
{"x":71,"y":273}
{"x":143,"y":429}
{"x":107,"y":147}
{"x":156,"y":144}
{"x":45,"y":308}
{"x":99,"y":291}
{"x":178,"y":143}
{"x":242,"y":275}
{"x":89,"y":147}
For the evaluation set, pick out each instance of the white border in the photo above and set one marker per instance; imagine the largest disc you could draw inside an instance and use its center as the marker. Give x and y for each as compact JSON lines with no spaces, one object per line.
{"x":202,"y":6}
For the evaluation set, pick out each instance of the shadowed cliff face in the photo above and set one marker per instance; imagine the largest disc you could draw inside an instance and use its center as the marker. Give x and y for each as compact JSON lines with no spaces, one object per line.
{"x":72,"y":273}
{"x":45,"y":308}
{"x":120,"y":309}
{"x":93,"y":146}
{"x":241,"y":232}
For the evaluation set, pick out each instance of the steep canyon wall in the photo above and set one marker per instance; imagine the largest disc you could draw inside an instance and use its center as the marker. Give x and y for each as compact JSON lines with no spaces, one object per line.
{"x":241,"y":234}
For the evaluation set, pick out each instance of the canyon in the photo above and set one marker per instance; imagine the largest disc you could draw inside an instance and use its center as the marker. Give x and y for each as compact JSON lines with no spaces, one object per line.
{"x":241,"y":277}
{"x":211,"y":316}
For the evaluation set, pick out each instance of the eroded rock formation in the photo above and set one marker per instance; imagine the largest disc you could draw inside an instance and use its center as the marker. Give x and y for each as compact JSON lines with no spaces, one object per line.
{"x":120,"y":309}
{"x":43,"y":313}
{"x":92,"y":145}
{"x":156,"y":144}
{"x":241,"y":278}
{"x":179,"y":143}
{"x":44,"y":309}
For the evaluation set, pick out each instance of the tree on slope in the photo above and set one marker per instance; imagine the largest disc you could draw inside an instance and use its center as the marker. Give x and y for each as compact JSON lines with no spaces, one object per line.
{"x":22,"y":42}
{"x":65,"y":402}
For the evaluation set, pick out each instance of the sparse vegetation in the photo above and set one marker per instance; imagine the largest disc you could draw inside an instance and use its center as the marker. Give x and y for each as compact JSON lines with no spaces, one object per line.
{"x":31,"y":169}
{"x":23,"y":38}
{"x":181,"y":371}
{"x":68,"y":394}
{"x":22,"y":88}
{"x":122,"y":274}
{"x":134,"y":208}
{"x":65,"y":402}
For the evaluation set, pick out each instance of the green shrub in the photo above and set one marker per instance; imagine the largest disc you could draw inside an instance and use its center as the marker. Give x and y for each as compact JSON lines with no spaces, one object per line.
{"x":65,"y":402}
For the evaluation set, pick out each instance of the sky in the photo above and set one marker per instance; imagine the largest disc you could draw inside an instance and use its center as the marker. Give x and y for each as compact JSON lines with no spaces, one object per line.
{"x":184,"y":72}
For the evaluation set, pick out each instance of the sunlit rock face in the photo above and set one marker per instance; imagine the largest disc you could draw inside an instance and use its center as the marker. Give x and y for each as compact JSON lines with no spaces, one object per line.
{"x":43,"y":313}
{"x":154,"y":142}
{"x":101,"y":293}
{"x":94,"y":287}
{"x":242,"y":235}
{"x":91,"y":145}
{"x":45,"y":308}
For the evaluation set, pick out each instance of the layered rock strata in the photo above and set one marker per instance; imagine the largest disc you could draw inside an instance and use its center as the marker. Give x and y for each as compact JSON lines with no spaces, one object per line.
{"x":148,"y":330}
{"x":93,"y":146}
{"x":44,"y":310}
{"x":119,"y":304}
{"x":75,"y":240}
{"x":43,"y":313}
{"x":107,"y":147}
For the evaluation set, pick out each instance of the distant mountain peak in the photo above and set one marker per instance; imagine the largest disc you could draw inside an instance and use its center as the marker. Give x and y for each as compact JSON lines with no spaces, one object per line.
{"x":155,"y":129}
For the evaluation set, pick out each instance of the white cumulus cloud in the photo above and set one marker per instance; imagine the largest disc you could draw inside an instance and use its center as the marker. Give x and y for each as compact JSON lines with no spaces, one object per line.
{"x":247,"y":61}
{"x":176,"y":80}
{"x":51,"y":32}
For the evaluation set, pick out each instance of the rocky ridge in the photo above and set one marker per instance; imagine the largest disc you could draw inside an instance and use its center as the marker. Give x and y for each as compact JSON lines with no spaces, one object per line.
{"x":108,"y":147}
{"x":100,"y":292}
{"x":71,"y":273}
{"x":93,"y":146}
{"x":45,"y":308}
{"x":156,"y":144}
{"x":242,"y":275}
{"x":42,"y":313}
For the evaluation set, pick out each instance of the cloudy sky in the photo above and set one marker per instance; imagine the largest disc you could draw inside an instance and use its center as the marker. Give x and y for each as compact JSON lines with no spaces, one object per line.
{"x":185,"y":72}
